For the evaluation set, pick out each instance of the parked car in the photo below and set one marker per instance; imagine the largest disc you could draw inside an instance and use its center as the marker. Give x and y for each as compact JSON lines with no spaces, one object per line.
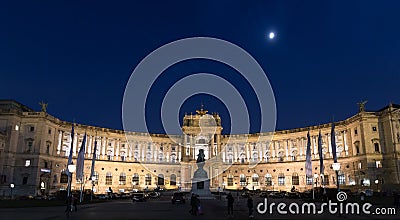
{"x":178,"y":197}
{"x":153,"y":195}
{"x":102,"y":196}
{"x":276,"y":194}
{"x":293,"y":195}
{"x":139,"y":197}
{"x":367,"y":192}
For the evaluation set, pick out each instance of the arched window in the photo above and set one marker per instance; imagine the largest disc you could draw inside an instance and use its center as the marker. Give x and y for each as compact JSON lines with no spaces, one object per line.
{"x":160,"y":181}
{"x":295,"y":179}
{"x":255,"y":157}
{"x":160,"y":157}
{"x":110,"y":154}
{"x":172,"y":180}
{"x":135,"y":179}
{"x":254,"y":179}
{"x":281,"y":179}
{"x":64,"y":177}
{"x":357,"y":146}
{"x":242,"y":180}
{"x":242,"y":158}
{"x":109,"y":178}
{"x":280,"y":156}
{"x":123,"y":156}
{"x":148,"y":157}
{"x":147,"y":179}
{"x":122,"y":179}
{"x":173,"y":158}
{"x":230,"y":158}
{"x":230,"y":180}
{"x":268,"y":179}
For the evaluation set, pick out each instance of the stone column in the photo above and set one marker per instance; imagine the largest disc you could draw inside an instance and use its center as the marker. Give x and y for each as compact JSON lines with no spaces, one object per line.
{"x":236,"y":150}
{"x":59,"y":144}
{"x":218,"y":144}
{"x":142,"y":148}
{"x":346,"y":148}
{"x":117,"y":149}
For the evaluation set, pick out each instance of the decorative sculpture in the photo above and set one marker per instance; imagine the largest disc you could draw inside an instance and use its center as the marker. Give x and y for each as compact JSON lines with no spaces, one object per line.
{"x":43,"y":105}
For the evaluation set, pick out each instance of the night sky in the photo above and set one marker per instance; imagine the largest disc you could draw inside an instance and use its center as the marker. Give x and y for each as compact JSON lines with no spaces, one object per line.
{"x":78,"y":56}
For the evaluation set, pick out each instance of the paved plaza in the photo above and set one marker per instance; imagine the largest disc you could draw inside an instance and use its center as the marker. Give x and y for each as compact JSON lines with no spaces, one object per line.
{"x":162,"y":209}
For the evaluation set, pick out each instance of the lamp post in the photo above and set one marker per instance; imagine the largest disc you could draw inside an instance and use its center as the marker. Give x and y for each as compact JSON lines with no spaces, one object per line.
{"x":316,"y":180}
{"x":336,"y":168}
{"x":93,"y":184}
{"x":377,"y":182}
{"x":71,"y":170}
{"x":11,"y":188}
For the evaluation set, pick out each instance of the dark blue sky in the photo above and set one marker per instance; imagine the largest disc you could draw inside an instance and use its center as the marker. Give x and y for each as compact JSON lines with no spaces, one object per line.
{"x":78,"y":56}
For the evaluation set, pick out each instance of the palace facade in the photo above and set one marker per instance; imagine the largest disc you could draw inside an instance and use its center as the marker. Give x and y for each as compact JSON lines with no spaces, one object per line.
{"x":34,"y":149}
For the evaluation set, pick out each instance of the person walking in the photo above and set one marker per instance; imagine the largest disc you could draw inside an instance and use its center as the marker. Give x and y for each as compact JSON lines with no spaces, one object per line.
{"x":199,"y":208}
{"x":193,"y":204}
{"x":74,"y":202}
{"x":230,"y":204}
{"x":250,"y":206}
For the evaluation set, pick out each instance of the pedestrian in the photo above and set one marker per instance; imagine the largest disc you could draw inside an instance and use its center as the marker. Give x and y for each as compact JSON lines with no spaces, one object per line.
{"x":198,"y":204}
{"x":74,"y":202}
{"x":69,"y":204}
{"x":193,"y":204}
{"x":250,"y":206}
{"x":230,"y":204}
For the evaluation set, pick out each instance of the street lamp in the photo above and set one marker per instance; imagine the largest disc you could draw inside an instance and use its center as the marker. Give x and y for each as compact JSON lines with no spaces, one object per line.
{"x":316,"y":179}
{"x":377,"y":182}
{"x":11,"y":188}
{"x":336,"y":168}
{"x":93,"y":184}
{"x":71,"y":170}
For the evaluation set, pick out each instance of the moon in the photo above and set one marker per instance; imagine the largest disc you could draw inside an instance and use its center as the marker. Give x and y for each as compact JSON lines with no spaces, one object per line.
{"x":271,"y":35}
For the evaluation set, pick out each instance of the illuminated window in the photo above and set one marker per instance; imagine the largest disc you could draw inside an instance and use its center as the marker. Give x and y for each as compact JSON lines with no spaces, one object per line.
{"x":342,"y":179}
{"x":295,"y":179}
{"x":230,"y":180}
{"x":309,"y":180}
{"x":122,"y":179}
{"x":147,"y":179}
{"x":242,"y":180}
{"x":16,"y":127}
{"x":268,"y":180}
{"x":378,"y":164}
{"x":254,"y":179}
{"x":135,"y":179}
{"x":108,"y":178}
{"x":27,"y":163}
{"x":359,"y":165}
{"x":281,"y":179}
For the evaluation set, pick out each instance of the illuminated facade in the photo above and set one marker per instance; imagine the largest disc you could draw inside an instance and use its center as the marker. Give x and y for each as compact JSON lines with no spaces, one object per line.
{"x":34,"y":148}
